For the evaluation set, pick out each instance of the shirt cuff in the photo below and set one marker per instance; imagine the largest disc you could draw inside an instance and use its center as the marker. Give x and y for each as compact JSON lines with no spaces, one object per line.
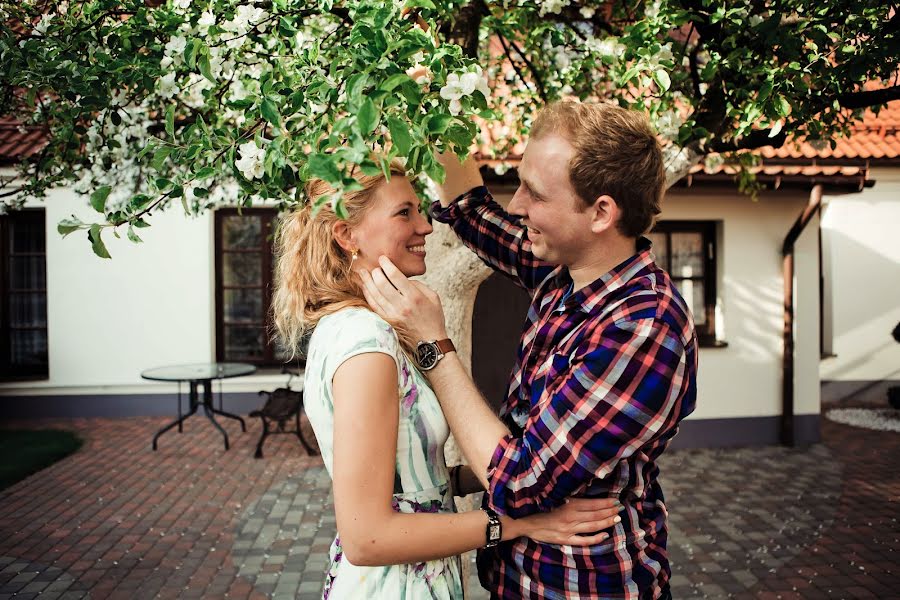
{"x":462,"y":204}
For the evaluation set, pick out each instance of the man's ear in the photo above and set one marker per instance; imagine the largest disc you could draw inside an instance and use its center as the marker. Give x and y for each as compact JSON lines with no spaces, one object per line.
{"x":604,"y":214}
{"x":343,"y":235}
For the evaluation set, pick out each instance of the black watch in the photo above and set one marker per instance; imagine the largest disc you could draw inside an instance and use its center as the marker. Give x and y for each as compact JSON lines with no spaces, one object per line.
{"x":494,"y":530}
{"x":429,"y":353}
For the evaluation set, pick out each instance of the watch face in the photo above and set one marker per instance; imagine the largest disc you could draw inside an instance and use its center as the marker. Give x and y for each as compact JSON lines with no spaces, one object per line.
{"x":495,"y":532}
{"x":426,"y":354}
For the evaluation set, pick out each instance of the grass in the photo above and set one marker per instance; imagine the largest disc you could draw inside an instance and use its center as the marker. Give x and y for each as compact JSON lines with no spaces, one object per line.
{"x":26,"y":452}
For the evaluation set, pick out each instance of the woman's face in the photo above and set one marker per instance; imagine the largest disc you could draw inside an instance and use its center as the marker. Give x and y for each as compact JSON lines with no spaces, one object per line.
{"x":393,"y":227}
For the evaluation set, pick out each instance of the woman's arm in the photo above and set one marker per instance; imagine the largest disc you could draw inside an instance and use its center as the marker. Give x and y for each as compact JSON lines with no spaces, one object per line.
{"x":366,"y":416}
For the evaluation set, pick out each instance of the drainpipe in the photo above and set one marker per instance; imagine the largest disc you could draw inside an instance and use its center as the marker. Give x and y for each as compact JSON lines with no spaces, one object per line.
{"x":787,"y":251}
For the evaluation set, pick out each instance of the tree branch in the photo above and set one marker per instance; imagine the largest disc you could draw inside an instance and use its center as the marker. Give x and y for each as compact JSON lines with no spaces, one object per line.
{"x":854,"y":100}
{"x":534,"y":73}
{"x":514,"y":64}
{"x":758,"y":138}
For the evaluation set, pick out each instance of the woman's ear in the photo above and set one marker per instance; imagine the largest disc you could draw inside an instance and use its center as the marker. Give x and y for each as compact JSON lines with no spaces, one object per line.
{"x":343,"y":235}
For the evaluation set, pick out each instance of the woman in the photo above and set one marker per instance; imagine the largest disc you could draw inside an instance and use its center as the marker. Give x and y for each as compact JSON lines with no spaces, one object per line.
{"x":379,"y":425}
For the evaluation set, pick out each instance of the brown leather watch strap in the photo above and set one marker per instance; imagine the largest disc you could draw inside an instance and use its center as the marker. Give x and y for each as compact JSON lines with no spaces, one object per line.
{"x":445,"y":345}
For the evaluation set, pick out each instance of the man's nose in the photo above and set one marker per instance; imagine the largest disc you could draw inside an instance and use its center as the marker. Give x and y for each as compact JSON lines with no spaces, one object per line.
{"x":516,"y":206}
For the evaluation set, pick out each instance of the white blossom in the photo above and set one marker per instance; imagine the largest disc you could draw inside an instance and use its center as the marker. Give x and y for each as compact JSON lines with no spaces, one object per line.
{"x":552,"y":6}
{"x":421,"y":74}
{"x":175,"y":48}
{"x":119,"y":98}
{"x":167,"y":86}
{"x":754,"y":20}
{"x":206,"y":19}
{"x":44,"y":24}
{"x":251,"y":162}
{"x":459,"y":86}
{"x":587,"y":12}
{"x":183,"y":4}
{"x":668,"y":123}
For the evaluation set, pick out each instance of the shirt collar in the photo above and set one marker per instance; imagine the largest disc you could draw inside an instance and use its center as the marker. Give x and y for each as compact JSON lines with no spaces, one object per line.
{"x":590,"y":296}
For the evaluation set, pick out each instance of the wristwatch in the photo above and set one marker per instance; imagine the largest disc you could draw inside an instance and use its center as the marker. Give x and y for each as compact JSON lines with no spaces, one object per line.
{"x":494,"y":530}
{"x":429,"y":353}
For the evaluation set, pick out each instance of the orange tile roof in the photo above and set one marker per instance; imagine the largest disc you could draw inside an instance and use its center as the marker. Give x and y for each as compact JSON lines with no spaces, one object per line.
{"x":19,"y":141}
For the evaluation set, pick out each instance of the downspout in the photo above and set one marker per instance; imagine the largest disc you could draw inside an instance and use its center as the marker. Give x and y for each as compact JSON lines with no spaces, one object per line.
{"x":787,"y":252}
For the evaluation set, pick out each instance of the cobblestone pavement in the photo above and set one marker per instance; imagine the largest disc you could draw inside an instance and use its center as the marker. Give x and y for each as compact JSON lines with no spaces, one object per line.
{"x":116,"y":520}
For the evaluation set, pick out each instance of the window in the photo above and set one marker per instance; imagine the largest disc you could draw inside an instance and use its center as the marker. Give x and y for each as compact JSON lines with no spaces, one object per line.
{"x":244,"y":263}
{"x":23,"y":295}
{"x":687,"y":250}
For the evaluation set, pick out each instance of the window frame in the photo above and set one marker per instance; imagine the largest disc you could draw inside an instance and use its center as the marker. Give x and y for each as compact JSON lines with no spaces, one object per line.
{"x":708,"y":230}
{"x":8,"y":371}
{"x":269,"y":221}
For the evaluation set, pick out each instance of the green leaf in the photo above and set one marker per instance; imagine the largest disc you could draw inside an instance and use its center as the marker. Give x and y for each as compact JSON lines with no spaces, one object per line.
{"x":190,"y":52}
{"x":269,"y":112}
{"x":400,"y":135}
{"x":393,"y":81}
{"x":141,"y":223}
{"x":98,"y":198}
{"x":97,"y":244}
{"x":765,"y":90}
{"x":160,"y":156}
{"x":324,"y":166}
{"x":662,"y":79}
{"x":205,"y":173}
{"x":782,"y":106}
{"x":367,"y":118}
{"x":339,"y":209}
{"x":170,"y":120}
{"x":420,"y":4}
{"x":438,"y":123}
{"x":67,"y":226}
{"x":205,"y":70}
{"x":133,"y":236}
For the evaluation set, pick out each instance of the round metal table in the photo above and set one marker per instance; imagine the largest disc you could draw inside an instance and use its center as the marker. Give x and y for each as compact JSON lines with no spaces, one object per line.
{"x":199,"y":374}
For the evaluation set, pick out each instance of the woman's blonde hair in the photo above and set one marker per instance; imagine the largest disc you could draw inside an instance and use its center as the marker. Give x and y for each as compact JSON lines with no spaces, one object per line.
{"x":313,"y":276}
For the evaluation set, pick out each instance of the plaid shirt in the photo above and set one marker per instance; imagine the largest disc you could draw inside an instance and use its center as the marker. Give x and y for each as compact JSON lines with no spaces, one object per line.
{"x":603,"y":376}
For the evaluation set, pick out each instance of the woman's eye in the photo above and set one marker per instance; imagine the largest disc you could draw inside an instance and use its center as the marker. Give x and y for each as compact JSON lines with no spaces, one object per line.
{"x":404,"y":212}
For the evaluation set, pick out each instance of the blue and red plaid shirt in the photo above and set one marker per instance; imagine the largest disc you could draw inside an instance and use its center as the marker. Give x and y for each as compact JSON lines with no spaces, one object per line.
{"x":603,"y":376}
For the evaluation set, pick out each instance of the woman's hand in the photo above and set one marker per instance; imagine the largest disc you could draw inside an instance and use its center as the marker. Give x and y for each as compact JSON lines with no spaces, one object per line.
{"x":579,"y":522}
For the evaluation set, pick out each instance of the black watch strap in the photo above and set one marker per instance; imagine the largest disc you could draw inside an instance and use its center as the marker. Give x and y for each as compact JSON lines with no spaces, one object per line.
{"x":494,"y":530}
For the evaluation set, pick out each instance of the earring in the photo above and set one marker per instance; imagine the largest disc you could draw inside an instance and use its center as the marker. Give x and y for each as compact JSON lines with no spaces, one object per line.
{"x":354,"y":256}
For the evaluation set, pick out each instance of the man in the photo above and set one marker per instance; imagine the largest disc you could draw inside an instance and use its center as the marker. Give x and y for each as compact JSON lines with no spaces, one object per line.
{"x":606,"y":365}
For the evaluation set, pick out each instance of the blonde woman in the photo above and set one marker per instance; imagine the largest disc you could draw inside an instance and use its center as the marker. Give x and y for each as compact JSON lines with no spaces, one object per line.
{"x":378,"y":423}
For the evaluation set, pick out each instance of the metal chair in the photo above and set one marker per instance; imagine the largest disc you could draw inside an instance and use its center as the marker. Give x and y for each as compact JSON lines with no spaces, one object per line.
{"x":281,"y":405}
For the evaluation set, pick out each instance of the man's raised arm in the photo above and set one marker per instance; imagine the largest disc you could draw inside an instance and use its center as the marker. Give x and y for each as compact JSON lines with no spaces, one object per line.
{"x":461,"y":177}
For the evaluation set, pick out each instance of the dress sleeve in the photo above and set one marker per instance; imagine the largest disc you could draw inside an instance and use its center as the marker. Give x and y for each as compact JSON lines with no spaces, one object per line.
{"x":358,"y":331}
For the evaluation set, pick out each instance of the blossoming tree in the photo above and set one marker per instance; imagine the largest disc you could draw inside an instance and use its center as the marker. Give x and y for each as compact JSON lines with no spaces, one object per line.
{"x":152,"y":103}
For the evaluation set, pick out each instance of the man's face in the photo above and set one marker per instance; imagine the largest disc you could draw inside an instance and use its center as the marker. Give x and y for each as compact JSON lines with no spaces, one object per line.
{"x":557,"y":220}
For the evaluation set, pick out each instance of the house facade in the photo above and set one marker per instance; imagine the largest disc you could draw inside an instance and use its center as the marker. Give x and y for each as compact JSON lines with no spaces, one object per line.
{"x":77,"y":330}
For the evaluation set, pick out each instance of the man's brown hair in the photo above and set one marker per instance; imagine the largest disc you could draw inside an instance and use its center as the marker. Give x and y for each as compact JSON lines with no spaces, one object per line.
{"x":616,"y":153}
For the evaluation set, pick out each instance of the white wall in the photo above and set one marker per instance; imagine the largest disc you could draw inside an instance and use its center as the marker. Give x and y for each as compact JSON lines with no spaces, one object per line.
{"x":861,"y":235}
{"x":744,"y":379}
{"x":152,"y":304}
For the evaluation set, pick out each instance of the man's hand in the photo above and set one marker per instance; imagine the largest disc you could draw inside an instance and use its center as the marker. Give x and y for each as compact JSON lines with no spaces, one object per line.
{"x":396,"y":298}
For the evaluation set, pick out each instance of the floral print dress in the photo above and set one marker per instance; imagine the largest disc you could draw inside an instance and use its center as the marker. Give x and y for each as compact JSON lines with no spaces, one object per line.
{"x":421,"y":482}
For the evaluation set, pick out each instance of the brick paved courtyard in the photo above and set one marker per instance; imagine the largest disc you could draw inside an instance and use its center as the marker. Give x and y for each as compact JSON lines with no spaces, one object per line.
{"x":117,"y":520}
